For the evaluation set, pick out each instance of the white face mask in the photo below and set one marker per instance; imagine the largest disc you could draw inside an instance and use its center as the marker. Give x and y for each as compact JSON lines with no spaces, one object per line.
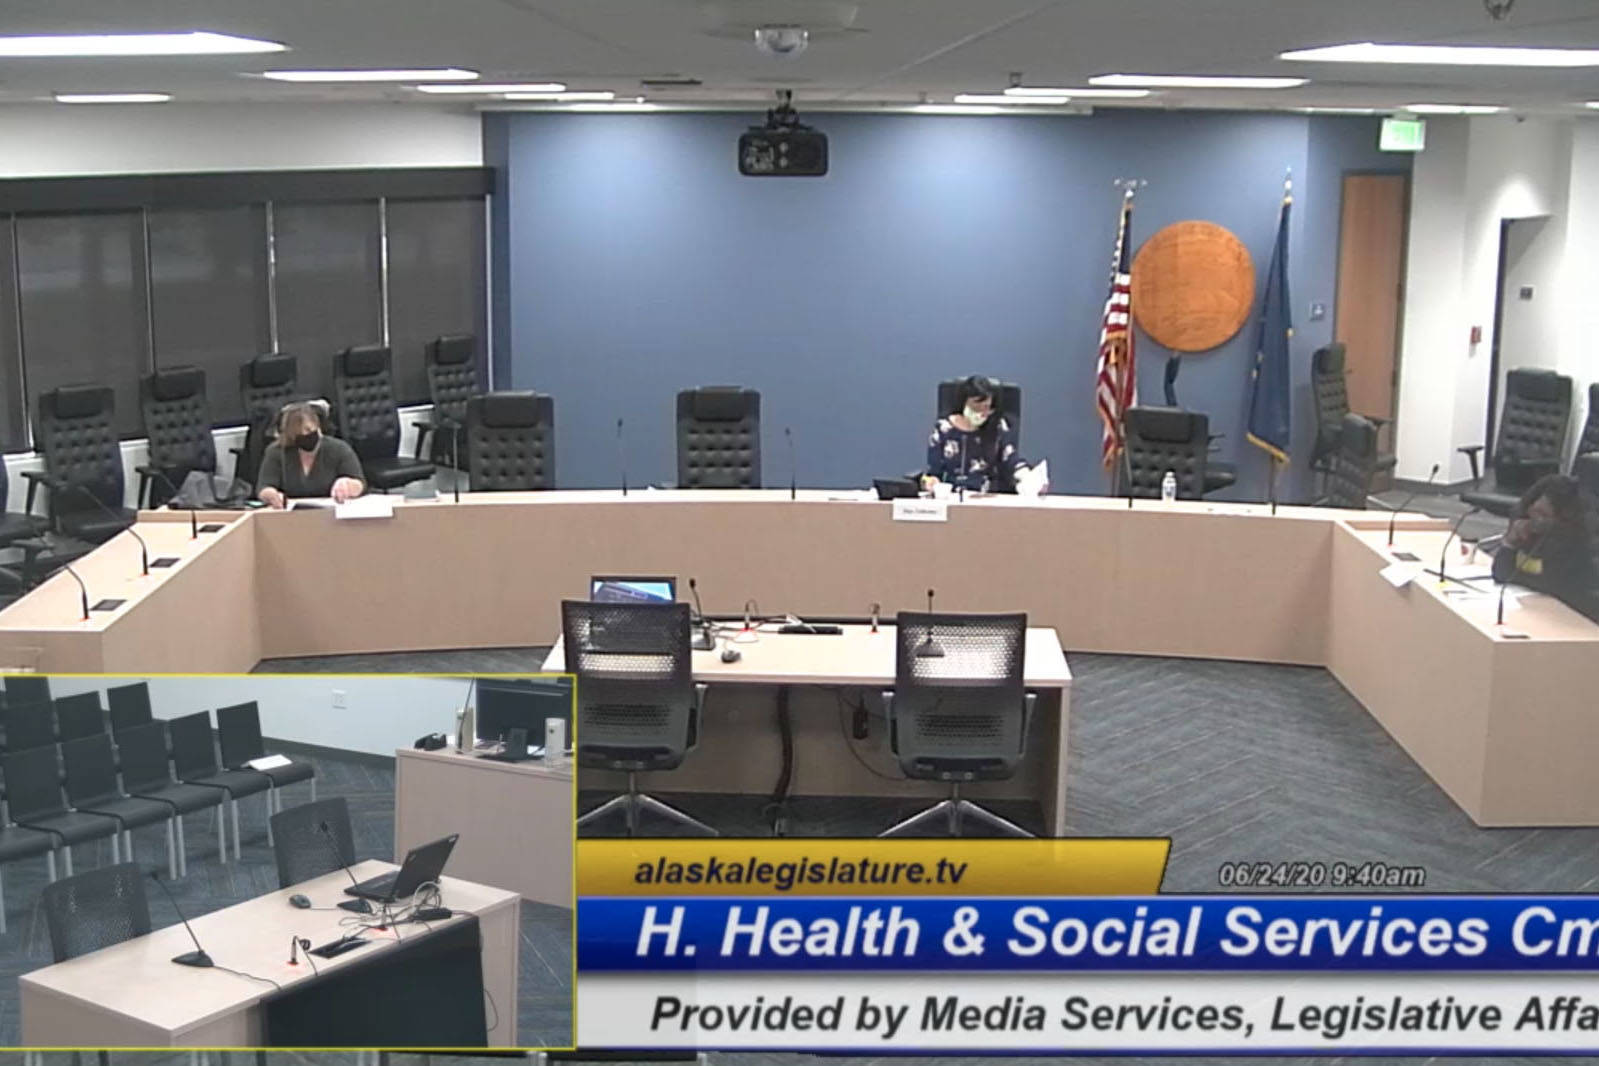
{"x":975,"y":417}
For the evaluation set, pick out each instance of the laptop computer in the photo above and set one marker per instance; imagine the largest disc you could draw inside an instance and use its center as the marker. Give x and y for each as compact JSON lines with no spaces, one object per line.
{"x":606,"y":589}
{"x":422,"y":866}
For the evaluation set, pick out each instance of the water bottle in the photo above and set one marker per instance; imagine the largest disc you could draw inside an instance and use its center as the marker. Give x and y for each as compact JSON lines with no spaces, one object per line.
{"x":1168,"y":487}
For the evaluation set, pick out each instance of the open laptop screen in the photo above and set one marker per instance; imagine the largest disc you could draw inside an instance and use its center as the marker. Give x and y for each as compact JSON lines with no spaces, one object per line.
{"x":633,"y":589}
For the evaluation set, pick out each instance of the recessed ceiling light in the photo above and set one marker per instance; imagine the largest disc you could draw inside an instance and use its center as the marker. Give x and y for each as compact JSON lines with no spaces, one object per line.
{"x":956,"y":109}
{"x":198,"y":43}
{"x":1193,"y":81}
{"x":1104,"y":94}
{"x":1453,"y":109}
{"x":1008,"y":101}
{"x":443,"y":74}
{"x":500,"y":87}
{"x":112,"y":98}
{"x":1457,"y":55}
{"x":562,"y":98}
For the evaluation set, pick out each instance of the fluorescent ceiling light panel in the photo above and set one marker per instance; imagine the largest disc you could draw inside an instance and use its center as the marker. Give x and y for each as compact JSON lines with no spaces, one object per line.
{"x":563,"y":98}
{"x":1454,"y":55}
{"x":1593,"y":104}
{"x":1008,"y":101}
{"x":444,"y":74}
{"x":1339,"y":110}
{"x":956,"y":109}
{"x":623,"y":106}
{"x":1453,"y":109}
{"x":1193,"y":81}
{"x":1102,"y":94}
{"x":197,"y":43}
{"x":112,"y":98}
{"x":500,"y":87}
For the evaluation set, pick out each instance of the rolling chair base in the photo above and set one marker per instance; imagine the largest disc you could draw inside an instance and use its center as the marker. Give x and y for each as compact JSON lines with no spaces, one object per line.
{"x":954,"y":810}
{"x":632,"y":802}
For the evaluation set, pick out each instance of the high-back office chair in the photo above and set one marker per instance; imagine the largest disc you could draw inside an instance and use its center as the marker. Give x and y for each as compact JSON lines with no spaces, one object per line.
{"x":177,"y":423}
{"x":29,"y":725}
{"x":129,"y":705}
{"x":16,"y":844}
{"x":95,"y":910}
{"x":92,"y":788}
{"x":79,"y":715}
{"x":719,"y":438}
{"x":638,"y":707}
{"x":266,"y":383}
{"x":28,"y":688}
{"x":1352,"y":466}
{"x":1531,"y":439}
{"x":33,"y":796}
{"x":1330,"y":388}
{"x":510,"y":437}
{"x":194,"y":758}
{"x":77,"y":434}
{"x":239,"y":737}
{"x":312,"y":839}
{"x":1161,"y":439}
{"x":368,"y":418}
{"x":146,"y":772}
{"x":24,"y":533}
{"x":1008,"y":397}
{"x":961,"y":714}
{"x":452,"y":380}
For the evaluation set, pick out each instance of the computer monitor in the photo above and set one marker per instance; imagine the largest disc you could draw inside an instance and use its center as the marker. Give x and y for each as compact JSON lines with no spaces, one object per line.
{"x":426,"y":991}
{"x":633,"y":589}
{"x":505,"y":704}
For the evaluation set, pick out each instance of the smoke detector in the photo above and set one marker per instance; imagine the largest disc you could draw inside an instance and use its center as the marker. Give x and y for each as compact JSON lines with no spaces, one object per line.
{"x":783,"y":41}
{"x":782,"y":28}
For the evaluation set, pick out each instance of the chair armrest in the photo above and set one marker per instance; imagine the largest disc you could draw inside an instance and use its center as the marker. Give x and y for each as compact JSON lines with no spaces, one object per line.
{"x":1472,"y":452}
{"x":1385,"y":463}
{"x":700,"y":689}
{"x":145,"y":472}
{"x":423,"y":428}
{"x":1029,"y":704}
{"x":35,"y":478}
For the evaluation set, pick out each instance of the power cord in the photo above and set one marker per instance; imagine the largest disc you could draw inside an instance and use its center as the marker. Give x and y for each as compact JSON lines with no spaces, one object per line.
{"x":251,"y":976}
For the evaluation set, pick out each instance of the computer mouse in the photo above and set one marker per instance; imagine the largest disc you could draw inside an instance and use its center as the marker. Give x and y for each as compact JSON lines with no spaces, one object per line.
{"x":301,"y":901}
{"x":731,"y":655}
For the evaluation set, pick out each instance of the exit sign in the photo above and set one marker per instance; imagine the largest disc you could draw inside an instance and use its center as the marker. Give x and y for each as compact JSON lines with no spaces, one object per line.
{"x":1403,"y":135}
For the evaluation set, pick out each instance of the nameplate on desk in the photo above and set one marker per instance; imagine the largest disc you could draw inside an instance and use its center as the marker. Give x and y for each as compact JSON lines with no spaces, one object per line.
{"x":1399,"y":574}
{"x":921,"y":510}
{"x":377,"y":506}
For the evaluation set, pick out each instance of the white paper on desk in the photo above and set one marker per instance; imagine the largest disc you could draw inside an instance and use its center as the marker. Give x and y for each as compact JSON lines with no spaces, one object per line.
{"x":374,"y":506}
{"x":1034,"y":480}
{"x":1400,"y":574}
{"x":268,"y":762}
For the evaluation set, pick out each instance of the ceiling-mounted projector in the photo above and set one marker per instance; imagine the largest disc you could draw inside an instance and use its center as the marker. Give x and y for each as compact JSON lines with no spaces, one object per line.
{"x":784,"y":147}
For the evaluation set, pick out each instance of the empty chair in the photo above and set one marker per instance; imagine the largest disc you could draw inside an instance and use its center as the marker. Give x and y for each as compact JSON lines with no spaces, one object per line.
{"x":452,"y":380}
{"x":638,"y":707}
{"x":92,"y":788}
{"x":1531,"y":440}
{"x":177,"y":424}
{"x":33,"y":795}
{"x":1161,"y":439}
{"x":312,"y":839}
{"x":129,"y":705}
{"x":194,"y":758}
{"x":958,"y":711}
{"x":17,"y":843}
{"x":1007,"y":401}
{"x":79,"y":715}
{"x":77,"y":434}
{"x":510,"y":437}
{"x":29,"y":725}
{"x":1353,"y":465}
{"x":147,"y":773}
{"x":24,"y":533}
{"x":95,"y":910}
{"x":239,"y":734}
{"x":1330,"y":388}
{"x":719,"y":438}
{"x":369,"y":420}
{"x":27,"y":688}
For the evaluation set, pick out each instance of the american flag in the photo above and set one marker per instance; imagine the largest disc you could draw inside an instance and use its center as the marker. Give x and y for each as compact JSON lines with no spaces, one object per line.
{"x":1117,"y":388}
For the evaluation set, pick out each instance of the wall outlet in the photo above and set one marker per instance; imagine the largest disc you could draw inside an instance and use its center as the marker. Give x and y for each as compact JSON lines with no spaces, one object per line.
{"x":1318,"y":312}
{"x":340,"y":698}
{"x":1526,"y":292}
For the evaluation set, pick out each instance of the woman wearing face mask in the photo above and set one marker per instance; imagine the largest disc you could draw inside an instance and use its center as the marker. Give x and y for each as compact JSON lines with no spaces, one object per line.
{"x":978,"y":435}
{"x":305,"y":462}
{"x":1547,"y":546}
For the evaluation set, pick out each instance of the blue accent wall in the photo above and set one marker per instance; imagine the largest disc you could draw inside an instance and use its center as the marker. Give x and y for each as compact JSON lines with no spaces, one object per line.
{"x":632,"y":260}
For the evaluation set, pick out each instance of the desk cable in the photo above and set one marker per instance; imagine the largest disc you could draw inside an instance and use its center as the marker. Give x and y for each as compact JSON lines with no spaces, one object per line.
{"x":860,"y":709}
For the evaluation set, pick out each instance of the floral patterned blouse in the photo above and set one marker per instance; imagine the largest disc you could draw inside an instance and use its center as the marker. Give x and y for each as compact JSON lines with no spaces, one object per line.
{"x":990,"y":469}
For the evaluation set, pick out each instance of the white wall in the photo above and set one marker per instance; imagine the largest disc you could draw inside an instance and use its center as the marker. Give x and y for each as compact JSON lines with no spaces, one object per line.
{"x":1579,"y":349}
{"x":380,"y":713}
{"x":51,"y":140}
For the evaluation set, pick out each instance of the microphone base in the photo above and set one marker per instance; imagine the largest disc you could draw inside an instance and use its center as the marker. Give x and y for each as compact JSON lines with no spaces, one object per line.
{"x":356,"y":906}
{"x":929,"y":649}
{"x":198,"y":959}
{"x":703,"y":641}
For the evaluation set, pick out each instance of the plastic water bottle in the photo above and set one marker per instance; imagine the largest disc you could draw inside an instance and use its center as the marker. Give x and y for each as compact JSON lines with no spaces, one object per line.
{"x":1168,"y":487}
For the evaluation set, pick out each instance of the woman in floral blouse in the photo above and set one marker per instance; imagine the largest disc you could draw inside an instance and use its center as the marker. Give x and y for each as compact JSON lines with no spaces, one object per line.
{"x":974,"y":445}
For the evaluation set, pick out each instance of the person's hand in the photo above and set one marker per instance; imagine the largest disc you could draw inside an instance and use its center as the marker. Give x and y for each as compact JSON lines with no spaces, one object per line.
{"x":272,"y":498}
{"x":928,"y":481}
{"x":1520,"y":533}
{"x":345,"y":488}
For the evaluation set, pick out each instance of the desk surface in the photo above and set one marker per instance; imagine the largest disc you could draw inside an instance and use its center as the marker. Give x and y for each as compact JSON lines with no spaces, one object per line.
{"x":855,"y":657}
{"x":138,"y":979}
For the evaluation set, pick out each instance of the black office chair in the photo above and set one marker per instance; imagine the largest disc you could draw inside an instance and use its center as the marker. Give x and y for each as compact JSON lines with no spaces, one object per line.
{"x":147,"y":773}
{"x":28,"y":688}
{"x":29,"y":725}
{"x":452,"y":380}
{"x":1588,"y":443}
{"x":194,"y":758}
{"x":1531,"y":439}
{"x":33,"y":796}
{"x":1161,"y":439}
{"x":79,"y":715}
{"x":638,"y":707}
{"x":312,"y":839}
{"x":92,"y":788}
{"x":1009,"y":403}
{"x":266,"y":383}
{"x":1353,"y":465}
{"x":16,"y":844}
{"x":239,"y":736}
{"x":95,"y":910}
{"x":719,"y":438}
{"x":130,"y":707}
{"x":77,"y":435}
{"x":368,"y":418}
{"x":26,"y":534}
{"x":958,"y":711}
{"x":510,"y":437}
{"x":177,"y":423}
{"x":1330,"y":388}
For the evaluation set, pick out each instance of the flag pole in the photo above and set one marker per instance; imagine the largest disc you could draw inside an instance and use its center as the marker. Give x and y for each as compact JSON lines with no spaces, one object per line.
{"x":1128,"y":187}
{"x":1276,"y":465}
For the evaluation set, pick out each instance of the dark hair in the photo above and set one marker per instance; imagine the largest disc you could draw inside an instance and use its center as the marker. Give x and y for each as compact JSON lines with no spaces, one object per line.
{"x":1563,"y":494}
{"x":976,"y":387}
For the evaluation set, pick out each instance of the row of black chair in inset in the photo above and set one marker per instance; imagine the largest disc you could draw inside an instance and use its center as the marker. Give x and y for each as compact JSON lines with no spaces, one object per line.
{"x":32,"y":725}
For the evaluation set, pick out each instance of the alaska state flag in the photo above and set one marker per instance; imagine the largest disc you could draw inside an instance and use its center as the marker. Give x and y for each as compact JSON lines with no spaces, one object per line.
{"x":1269,"y":387}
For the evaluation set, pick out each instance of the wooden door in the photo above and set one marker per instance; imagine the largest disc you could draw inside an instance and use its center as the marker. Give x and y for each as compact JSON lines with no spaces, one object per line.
{"x":1371,"y":246}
